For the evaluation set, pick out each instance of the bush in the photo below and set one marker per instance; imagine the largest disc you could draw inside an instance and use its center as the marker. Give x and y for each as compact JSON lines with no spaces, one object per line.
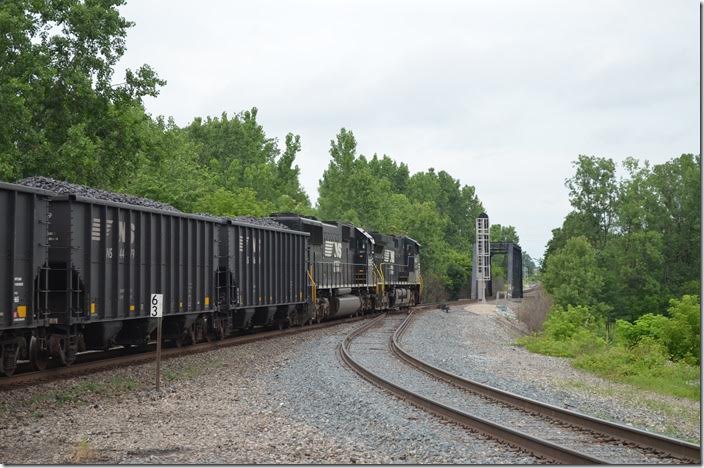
{"x":564,"y":323}
{"x":645,"y":365}
{"x":642,"y":353}
{"x":679,"y":334}
{"x":568,"y":332}
{"x":683,"y":336}
{"x":649,"y":325}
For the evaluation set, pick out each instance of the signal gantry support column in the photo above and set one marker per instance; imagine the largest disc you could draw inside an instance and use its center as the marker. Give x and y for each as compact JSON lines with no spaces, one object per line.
{"x":481,"y":273}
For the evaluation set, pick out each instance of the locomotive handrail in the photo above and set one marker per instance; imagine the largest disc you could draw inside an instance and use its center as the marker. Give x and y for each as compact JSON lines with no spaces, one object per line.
{"x":380,"y":283}
{"x":313,"y":286}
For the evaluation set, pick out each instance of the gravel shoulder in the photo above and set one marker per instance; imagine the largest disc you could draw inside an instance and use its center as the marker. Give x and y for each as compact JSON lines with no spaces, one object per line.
{"x":216,"y":407}
{"x":371,"y":351}
{"x":343,"y":405}
{"x":285,"y":400}
{"x":479,"y":344}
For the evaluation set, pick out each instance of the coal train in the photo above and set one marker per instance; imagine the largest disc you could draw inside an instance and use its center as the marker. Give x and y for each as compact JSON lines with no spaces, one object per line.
{"x":77,"y":273}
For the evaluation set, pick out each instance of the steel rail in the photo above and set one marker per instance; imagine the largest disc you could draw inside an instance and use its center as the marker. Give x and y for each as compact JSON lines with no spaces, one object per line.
{"x":89,"y":367}
{"x":671,"y":446}
{"x":95,"y":362}
{"x":521,"y":440}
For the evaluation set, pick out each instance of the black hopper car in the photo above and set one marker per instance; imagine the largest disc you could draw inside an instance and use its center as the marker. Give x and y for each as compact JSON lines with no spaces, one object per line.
{"x":76,"y":273}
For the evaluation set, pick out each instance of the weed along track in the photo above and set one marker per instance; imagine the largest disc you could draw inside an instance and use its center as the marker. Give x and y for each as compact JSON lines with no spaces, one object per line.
{"x":373,"y":351}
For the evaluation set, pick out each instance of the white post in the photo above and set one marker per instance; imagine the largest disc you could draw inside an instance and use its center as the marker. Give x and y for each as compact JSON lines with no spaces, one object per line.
{"x":156,"y":310}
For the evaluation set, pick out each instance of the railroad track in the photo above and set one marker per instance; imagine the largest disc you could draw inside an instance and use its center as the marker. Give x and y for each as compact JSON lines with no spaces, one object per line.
{"x":549,"y":432}
{"x":91,"y":362}
{"x":89,"y":365}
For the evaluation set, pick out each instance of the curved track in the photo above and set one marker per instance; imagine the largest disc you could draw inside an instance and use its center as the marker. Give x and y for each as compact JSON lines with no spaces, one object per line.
{"x":95,"y":362}
{"x":546,"y":431}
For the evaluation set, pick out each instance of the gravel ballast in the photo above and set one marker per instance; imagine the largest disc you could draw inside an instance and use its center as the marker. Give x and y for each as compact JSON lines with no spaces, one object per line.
{"x":215,"y":407}
{"x":370,"y":350}
{"x":481,"y":346}
{"x":284,"y":400}
{"x":342,"y":405}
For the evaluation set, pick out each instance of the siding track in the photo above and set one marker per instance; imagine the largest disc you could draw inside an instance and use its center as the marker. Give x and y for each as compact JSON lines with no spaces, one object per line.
{"x":547,"y":431}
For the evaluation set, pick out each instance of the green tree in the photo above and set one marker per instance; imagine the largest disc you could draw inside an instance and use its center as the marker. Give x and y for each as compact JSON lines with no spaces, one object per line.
{"x":646,"y":227}
{"x":349,"y":191}
{"x":62,"y":115}
{"x":379,"y":194}
{"x":572,"y":275}
{"x":222,"y":202}
{"x":499,"y":233}
{"x":529,"y":266}
{"x":171,"y":173}
{"x":238,"y":152}
{"x":387,"y":168}
{"x":633,"y":267}
{"x":575,"y":224}
{"x":674,"y":211}
{"x":593,"y":192}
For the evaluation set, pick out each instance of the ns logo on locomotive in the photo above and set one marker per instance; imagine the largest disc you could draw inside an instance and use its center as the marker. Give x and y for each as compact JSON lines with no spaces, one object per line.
{"x":77,"y":273}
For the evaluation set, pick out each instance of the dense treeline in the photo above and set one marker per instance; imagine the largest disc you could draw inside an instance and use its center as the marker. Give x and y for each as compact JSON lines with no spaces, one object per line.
{"x":630,"y":244}
{"x":221,"y":166}
{"x":64,"y":117}
{"x":381,"y":195}
{"x":624,"y":273}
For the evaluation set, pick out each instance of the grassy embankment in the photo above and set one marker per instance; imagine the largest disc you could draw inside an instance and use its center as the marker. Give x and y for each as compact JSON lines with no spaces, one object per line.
{"x":656,"y":352}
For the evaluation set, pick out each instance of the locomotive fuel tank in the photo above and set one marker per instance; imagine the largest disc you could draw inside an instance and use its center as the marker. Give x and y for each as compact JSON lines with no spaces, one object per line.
{"x":341,"y":306}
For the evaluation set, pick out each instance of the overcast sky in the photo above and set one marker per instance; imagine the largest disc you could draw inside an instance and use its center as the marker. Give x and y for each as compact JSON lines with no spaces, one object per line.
{"x":503,"y":95}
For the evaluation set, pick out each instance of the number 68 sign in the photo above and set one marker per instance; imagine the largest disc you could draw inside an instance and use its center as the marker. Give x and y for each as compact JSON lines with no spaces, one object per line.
{"x":156,"y":305}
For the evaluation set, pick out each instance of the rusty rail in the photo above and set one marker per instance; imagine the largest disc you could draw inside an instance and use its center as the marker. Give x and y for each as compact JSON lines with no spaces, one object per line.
{"x":518,"y":439}
{"x":675,"y":447}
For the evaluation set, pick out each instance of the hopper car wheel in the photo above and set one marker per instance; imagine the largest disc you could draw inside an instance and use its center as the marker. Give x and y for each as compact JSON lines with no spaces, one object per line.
{"x":178,"y":341}
{"x":220,"y":331}
{"x":190,"y":335}
{"x":201,"y":330}
{"x":66,"y":351}
{"x":37,"y":356}
{"x":8,"y":359}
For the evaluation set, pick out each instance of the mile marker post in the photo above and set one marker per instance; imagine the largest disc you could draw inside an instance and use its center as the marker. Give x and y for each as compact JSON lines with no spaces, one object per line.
{"x":156,"y":310}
